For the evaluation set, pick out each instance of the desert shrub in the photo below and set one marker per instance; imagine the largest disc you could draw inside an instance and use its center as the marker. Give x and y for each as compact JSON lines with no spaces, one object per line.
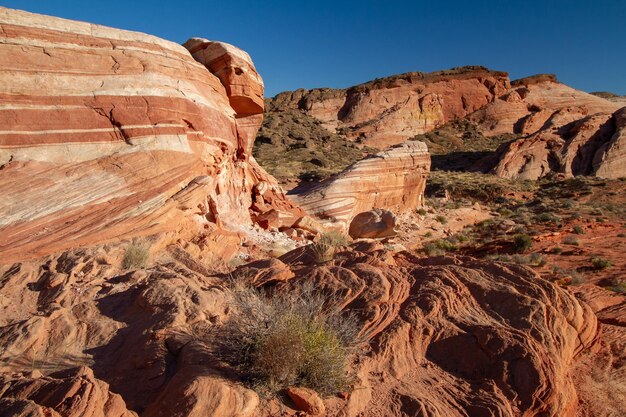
{"x":534,"y":259}
{"x":441,"y":219}
{"x":292,"y":338}
{"x":578,"y":230}
{"x":600,"y":263}
{"x":571,"y":240}
{"x":421,"y":211}
{"x":577,"y":277}
{"x":324,"y":249}
{"x":505,"y":212}
{"x":546,"y":217}
{"x":440,"y":246}
{"x":621,"y":235}
{"x":618,"y":285}
{"x":575,"y":216}
{"x":136,"y":256}
{"x":557,"y":250}
{"x":428,"y":234}
{"x":600,"y":219}
{"x":522,"y":242}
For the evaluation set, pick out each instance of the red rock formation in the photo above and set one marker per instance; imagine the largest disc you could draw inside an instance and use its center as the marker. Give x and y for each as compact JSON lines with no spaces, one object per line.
{"x":394,"y":179}
{"x":70,"y":393}
{"x":454,"y":336}
{"x":444,"y":336}
{"x":390,"y":110}
{"x":243,"y":84}
{"x":532,"y":102}
{"x":110,"y":134}
{"x":590,"y":145}
{"x":144,"y":333}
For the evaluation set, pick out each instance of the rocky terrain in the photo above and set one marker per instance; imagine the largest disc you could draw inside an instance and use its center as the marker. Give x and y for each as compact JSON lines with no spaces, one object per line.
{"x":135,"y":216}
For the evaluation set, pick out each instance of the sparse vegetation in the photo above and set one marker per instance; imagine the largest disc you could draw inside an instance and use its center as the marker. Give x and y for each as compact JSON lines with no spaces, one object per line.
{"x":136,"y":256}
{"x":441,"y":219}
{"x":534,"y":259}
{"x":571,"y":240}
{"x":618,"y":285}
{"x":522,"y":243}
{"x":600,"y":263}
{"x":578,"y":230}
{"x":324,"y":249}
{"x":291,"y":338}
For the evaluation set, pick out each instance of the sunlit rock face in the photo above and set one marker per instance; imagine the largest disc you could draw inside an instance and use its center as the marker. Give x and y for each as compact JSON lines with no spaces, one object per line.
{"x":393,"y":179}
{"x":566,"y":131}
{"x":110,"y":134}
{"x":390,"y":110}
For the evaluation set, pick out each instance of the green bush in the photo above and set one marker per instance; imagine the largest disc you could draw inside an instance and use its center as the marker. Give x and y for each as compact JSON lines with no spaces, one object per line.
{"x":618,"y":285}
{"x":600,"y":263}
{"x":547,"y":218}
{"x":522,"y":242}
{"x":578,"y":230}
{"x":441,"y":219}
{"x":421,"y":211}
{"x":291,"y":339}
{"x":324,"y":249}
{"x":571,"y":240}
{"x":440,"y":246}
{"x":135,"y":257}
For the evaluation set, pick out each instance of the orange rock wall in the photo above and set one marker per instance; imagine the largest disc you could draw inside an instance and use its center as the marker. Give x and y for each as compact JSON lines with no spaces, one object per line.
{"x":111,"y":134}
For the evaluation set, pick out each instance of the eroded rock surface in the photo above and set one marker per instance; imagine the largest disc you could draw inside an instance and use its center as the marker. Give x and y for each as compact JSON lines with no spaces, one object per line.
{"x":390,"y":110}
{"x":112,"y":134}
{"x":590,"y":145}
{"x":447,"y":336}
{"x":392,"y":179}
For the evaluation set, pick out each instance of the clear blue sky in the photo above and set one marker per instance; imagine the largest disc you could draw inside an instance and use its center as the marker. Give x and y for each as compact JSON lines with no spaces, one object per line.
{"x":341,"y":43}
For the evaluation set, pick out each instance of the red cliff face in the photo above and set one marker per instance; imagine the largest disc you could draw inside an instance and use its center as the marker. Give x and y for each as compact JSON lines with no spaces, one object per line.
{"x":390,"y":110}
{"x":565,"y":131}
{"x":111,"y":134}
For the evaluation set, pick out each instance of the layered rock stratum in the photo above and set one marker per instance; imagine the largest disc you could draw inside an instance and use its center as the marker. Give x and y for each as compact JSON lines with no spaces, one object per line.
{"x":388,"y":111}
{"x":394,"y":179}
{"x":109,"y":134}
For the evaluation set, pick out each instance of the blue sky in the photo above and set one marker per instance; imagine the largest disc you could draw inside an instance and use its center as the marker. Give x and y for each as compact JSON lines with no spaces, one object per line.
{"x":341,"y":43}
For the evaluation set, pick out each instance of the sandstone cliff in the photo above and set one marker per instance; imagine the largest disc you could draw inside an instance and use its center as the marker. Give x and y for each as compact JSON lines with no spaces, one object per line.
{"x":111,"y":134}
{"x":390,"y":110}
{"x":394,"y":178}
{"x":565,"y":131}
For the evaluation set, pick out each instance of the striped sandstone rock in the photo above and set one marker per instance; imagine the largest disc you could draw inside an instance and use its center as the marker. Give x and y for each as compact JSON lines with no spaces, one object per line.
{"x":394,"y":179}
{"x":108,"y":134}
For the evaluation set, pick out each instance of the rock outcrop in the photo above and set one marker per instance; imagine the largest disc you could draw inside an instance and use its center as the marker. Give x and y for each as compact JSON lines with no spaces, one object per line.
{"x":393,"y":179}
{"x":447,"y":336}
{"x":564,"y":131}
{"x":110,"y":134}
{"x":592,"y":145}
{"x":532,"y":102}
{"x":454,"y":336}
{"x":69,"y":393}
{"x":390,"y":110}
{"x":143,"y":332}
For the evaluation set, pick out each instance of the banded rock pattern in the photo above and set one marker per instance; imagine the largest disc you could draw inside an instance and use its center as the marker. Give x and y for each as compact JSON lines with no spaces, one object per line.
{"x":394,"y":179}
{"x":453,"y":336}
{"x":111,"y":134}
{"x":388,"y":111}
